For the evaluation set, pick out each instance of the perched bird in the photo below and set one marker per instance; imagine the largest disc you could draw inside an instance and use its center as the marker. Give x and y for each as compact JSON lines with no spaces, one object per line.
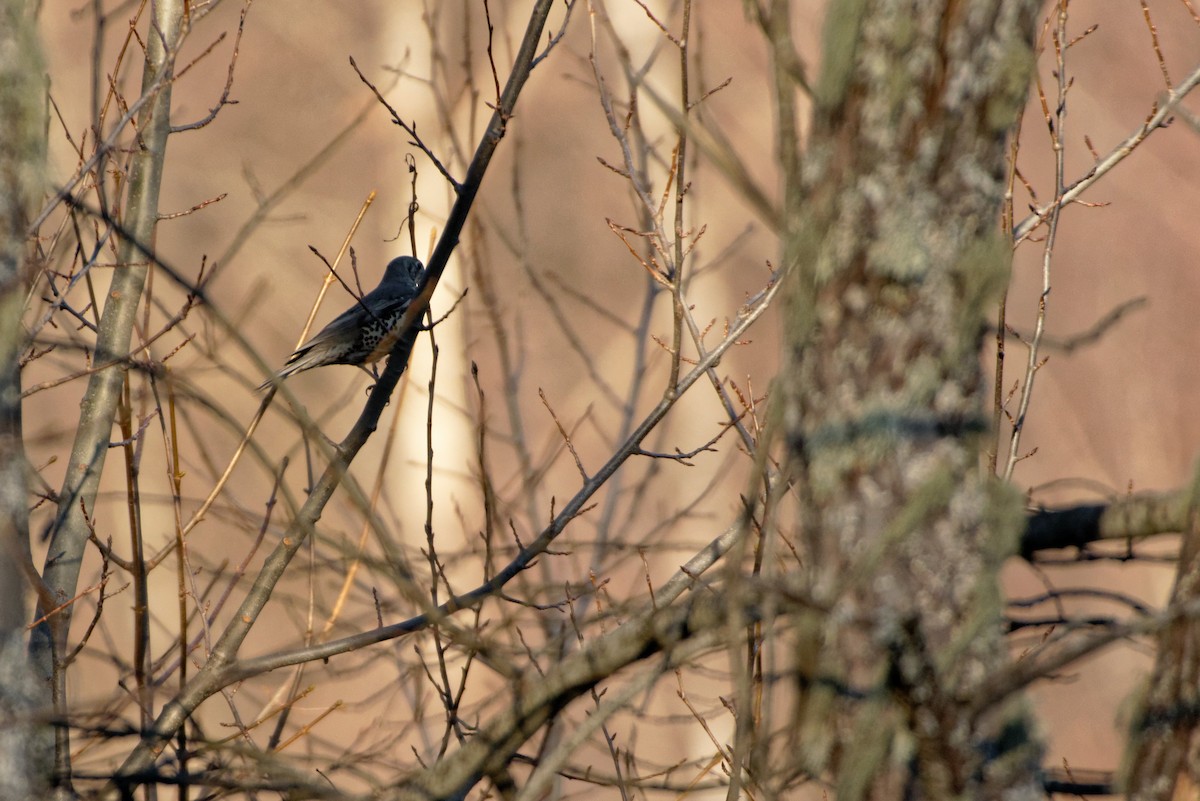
{"x":364,"y":333}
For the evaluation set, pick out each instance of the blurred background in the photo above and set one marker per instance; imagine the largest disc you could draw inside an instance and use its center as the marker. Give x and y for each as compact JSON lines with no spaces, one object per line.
{"x":567,"y":332}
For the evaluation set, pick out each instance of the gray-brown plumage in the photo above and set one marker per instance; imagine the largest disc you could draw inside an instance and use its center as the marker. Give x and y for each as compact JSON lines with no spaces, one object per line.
{"x":364,"y":333}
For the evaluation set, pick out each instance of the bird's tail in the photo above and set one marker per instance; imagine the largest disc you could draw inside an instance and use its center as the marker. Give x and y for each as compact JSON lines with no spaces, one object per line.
{"x":270,"y":382}
{"x":300,"y":361}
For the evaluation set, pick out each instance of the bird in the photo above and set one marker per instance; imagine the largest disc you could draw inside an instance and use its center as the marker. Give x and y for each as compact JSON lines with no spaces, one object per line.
{"x":365,"y":332}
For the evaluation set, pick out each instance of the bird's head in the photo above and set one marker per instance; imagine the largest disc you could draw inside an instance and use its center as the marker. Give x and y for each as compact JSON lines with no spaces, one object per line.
{"x":404,"y":271}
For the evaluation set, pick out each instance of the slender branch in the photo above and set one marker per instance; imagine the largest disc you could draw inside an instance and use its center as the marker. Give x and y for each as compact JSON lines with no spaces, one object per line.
{"x":1159,"y":117}
{"x":1058,"y":142}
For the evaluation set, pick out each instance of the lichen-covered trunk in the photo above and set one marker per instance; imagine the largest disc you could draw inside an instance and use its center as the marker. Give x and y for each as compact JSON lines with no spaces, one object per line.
{"x":1163,"y":754}
{"x":22,"y":183}
{"x":896,"y":253}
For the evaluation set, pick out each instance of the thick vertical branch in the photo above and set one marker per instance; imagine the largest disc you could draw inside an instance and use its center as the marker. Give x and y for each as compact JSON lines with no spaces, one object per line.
{"x":897,"y":254}
{"x":68,"y":535}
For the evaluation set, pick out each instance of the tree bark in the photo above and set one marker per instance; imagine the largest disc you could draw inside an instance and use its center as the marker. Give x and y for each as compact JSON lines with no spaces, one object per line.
{"x":895,"y":253}
{"x":1164,"y":744}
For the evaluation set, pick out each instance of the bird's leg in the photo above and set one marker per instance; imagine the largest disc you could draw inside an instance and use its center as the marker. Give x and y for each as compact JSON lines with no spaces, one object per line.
{"x":372,"y":371}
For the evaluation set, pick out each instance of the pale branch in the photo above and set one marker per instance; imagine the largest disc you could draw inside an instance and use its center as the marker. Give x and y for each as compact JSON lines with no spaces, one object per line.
{"x":1159,"y":117}
{"x":69,"y":530}
{"x":1033,"y":361}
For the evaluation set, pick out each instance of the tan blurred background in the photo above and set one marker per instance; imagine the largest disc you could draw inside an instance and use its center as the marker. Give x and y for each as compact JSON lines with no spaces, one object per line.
{"x":1112,"y":416}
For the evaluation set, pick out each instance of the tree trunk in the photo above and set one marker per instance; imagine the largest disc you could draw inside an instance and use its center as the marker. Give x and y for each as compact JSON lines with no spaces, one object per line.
{"x":896,"y":254}
{"x":22,"y":163}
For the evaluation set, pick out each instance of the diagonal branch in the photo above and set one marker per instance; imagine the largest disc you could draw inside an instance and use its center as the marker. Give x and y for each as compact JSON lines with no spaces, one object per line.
{"x":243,"y":669}
{"x":208,"y":680}
{"x":1160,"y":117}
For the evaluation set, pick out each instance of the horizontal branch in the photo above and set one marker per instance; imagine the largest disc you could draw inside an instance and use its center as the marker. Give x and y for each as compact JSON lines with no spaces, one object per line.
{"x":1134,"y":516}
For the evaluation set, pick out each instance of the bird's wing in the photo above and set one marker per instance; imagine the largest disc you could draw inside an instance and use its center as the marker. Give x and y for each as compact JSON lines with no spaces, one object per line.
{"x":343,"y":328}
{"x":375,"y":305}
{"x":340,"y":329}
{"x":383,"y":308}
